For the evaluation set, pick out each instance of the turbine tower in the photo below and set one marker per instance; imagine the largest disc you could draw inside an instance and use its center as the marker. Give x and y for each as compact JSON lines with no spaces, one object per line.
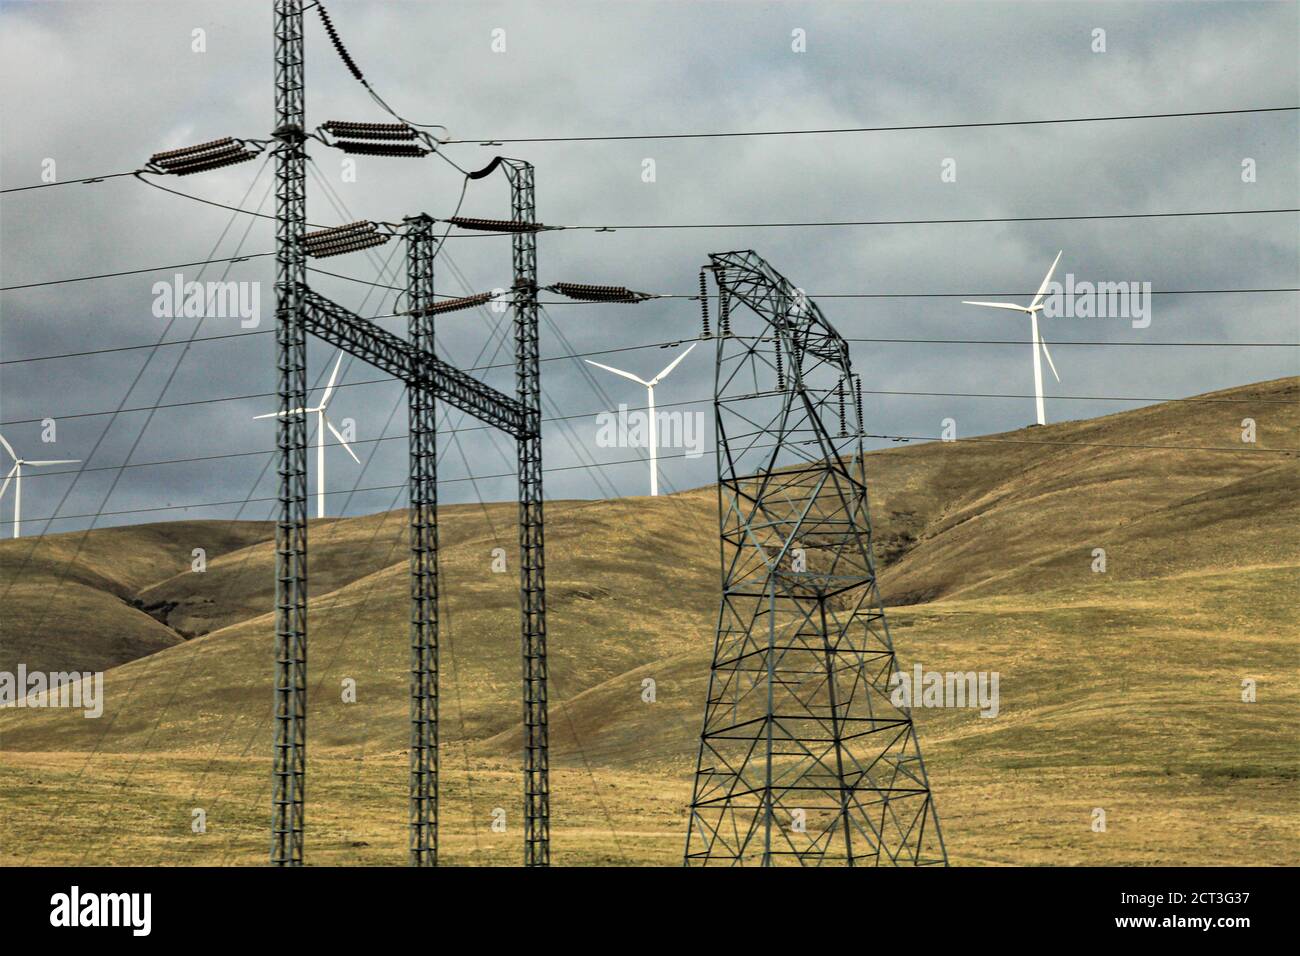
{"x":322,"y":423}
{"x":650,"y":403}
{"x":16,"y":476}
{"x":1036,"y":337}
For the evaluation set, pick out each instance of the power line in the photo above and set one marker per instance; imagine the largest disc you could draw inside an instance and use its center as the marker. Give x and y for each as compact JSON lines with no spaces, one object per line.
{"x":776,"y":132}
{"x":132,"y":272}
{"x":746,"y":225}
{"x":1063,"y":342}
{"x":695,"y":296}
{"x":1288,"y":452}
{"x":914,"y":222}
{"x":753,"y":225}
{"x":956,"y":295}
{"x":132,"y":348}
{"x":650,"y":345}
{"x":591,"y":414}
{"x":130,"y":388}
{"x":1152,"y":399}
{"x":486,"y":141}
{"x":67,"y":182}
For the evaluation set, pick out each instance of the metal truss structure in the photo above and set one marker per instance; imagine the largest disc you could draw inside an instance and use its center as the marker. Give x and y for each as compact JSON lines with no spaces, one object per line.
{"x":532,"y":587}
{"x":423,"y":534}
{"x":300,"y":310}
{"x":290,"y":765}
{"x":803,"y":759}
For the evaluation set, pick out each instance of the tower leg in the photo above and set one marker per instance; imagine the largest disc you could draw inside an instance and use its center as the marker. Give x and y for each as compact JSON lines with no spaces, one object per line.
{"x":290,"y":757}
{"x":532,"y":586}
{"x":424,"y":559}
{"x":532,"y":593}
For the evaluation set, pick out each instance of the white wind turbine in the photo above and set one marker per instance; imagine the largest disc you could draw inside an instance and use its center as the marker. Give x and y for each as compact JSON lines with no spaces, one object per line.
{"x":1036,"y":336}
{"x":650,"y":403}
{"x":322,"y":423}
{"x":16,"y":476}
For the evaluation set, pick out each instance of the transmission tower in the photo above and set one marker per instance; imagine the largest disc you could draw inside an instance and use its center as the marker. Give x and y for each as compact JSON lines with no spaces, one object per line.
{"x":803,"y":758}
{"x":300,"y":310}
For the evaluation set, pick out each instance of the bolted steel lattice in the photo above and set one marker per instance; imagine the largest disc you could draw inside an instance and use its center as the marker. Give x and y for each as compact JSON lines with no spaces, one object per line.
{"x":300,"y":310}
{"x":803,"y":757}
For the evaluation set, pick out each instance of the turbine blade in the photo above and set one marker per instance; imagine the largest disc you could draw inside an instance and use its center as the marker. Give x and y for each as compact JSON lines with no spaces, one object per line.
{"x":997,"y":305}
{"x":8,"y":478}
{"x":342,"y":441}
{"x":329,"y":387}
{"x":1046,"y":281}
{"x":280,"y":414}
{"x":9,"y":448}
{"x":1050,"y":363}
{"x":618,"y":371}
{"x":672,"y":365}
{"x":55,"y":461}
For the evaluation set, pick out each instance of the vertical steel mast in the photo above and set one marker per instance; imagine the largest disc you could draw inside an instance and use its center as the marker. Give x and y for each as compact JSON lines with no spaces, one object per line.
{"x":424,"y":551}
{"x":291,"y":441}
{"x":532,"y":586}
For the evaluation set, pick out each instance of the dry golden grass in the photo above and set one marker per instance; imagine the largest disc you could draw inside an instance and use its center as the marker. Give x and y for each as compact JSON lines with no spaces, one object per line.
{"x":1119,"y":690}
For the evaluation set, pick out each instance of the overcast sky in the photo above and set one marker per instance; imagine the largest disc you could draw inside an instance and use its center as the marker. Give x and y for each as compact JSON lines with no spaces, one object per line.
{"x":98,"y":87}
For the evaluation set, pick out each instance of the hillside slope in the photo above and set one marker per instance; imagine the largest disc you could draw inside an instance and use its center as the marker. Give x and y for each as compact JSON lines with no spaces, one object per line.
{"x":76,"y":601}
{"x":1119,"y":689}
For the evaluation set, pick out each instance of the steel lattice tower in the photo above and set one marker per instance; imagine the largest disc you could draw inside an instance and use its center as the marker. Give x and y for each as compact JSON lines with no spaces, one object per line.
{"x":421,"y":416}
{"x":301,"y":310}
{"x":532,"y":586}
{"x":803,"y":757}
{"x":291,"y":439}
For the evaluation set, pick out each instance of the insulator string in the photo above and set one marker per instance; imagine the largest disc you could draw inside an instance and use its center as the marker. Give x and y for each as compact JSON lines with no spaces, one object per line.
{"x":839,"y":394}
{"x":857,"y":400}
{"x":704,"y":304}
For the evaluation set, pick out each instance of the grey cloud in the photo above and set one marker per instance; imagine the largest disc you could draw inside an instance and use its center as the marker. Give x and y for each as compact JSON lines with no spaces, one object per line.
{"x":98,"y":87}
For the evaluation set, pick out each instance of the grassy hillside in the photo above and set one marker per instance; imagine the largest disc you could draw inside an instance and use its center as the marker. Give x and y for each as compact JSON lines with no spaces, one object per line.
{"x":75,"y":601}
{"x":1120,"y":690}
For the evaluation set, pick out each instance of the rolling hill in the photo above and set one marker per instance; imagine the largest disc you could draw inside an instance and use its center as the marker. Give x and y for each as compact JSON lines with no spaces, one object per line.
{"x":1121,"y":689}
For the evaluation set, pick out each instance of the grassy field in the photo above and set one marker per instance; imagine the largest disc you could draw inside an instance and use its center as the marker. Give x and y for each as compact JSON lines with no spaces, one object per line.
{"x":1119,"y":690}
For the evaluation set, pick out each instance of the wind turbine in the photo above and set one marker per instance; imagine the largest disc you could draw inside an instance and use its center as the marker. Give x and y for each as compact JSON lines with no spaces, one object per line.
{"x":650,"y":403}
{"x":321,"y":424}
{"x":16,"y":476}
{"x":1037,"y":338}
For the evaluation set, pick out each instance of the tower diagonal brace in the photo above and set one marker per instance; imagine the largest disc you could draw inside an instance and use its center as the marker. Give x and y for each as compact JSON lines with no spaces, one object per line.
{"x":389,"y":353}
